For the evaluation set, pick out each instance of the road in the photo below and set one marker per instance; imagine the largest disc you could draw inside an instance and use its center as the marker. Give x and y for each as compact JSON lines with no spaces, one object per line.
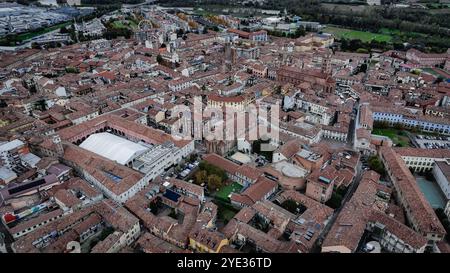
{"x":354,"y":125}
{"x":412,"y":138}
{"x":353,"y":186}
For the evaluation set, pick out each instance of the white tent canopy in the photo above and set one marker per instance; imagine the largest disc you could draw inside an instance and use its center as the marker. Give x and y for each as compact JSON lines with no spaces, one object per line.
{"x":113,"y":147}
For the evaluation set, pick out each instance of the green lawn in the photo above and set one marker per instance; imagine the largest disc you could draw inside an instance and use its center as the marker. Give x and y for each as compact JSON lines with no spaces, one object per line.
{"x":124,"y":24}
{"x":435,"y":72}
{"x":28,"y":35}
{"x":431,"y":71}
{"x":227,"y":190}
{"x":356,"y":34}
{"x":399,"y":35}
{"x":394,"y":135}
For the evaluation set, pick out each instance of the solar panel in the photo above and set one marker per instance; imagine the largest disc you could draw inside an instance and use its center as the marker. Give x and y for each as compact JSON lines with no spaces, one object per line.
{"x":26,"y":186}
{"x":171,"y":195}
{"x":324,"y":179}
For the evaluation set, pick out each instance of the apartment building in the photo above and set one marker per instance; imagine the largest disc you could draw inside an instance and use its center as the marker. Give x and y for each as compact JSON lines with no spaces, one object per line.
{"x":411,"y":120}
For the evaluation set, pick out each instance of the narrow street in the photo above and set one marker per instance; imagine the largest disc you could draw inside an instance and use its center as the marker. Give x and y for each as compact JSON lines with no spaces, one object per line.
{"x":354,"y":125}
{"x":347,"y":197}
{"x":4,"y":234}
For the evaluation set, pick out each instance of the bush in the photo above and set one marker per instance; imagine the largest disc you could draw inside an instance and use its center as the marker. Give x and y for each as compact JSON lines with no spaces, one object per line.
{"x":362,"y":50}
{"x":375,"y":164}
{"x":159,"y":58}
{"x":71,"y":69}
{"x":335,"y":201}
{"x":201,"y":177}
{"x":381,"y":124}
{"x":214,"y":182}
{"x":211,"y":169}
{"x":341,"y":190}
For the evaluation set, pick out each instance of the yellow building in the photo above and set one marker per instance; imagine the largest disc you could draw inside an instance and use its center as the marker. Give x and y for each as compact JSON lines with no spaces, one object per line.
{"x":238,"y":102}
{"x":206,"y":240}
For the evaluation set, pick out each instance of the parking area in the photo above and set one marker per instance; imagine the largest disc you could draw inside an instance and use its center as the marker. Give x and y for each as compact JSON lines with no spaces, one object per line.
{"x":364,"y":163}
{"x":433,"y":142}
{"x":188,"y":169}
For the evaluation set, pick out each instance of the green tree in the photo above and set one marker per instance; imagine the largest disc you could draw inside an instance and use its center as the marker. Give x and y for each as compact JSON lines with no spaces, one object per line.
{"x":192,"y":158}
{"x":362,"y":50}
{"x":211,"y":169}
{"x":153,"y":206}
{"x":214,"y":182}
{"x":201,"y":177}
{"x":3,"y":103}
{"x":180,"y":32}
{"x":375,"y":164}
{"x":335,"y":201}
{"x":71,"y":69}
{"x":35,"y":45}
{"x":159,"y":58}
{"x":300,"y":32}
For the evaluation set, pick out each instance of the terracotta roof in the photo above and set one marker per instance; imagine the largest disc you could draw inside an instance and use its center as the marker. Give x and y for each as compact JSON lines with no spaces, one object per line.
{"x":218,"y":98}
{"x":102,"y":169}
{"x":149,"y":243}
{"x":420,"y":209}
{"x":257,"y":191}
{"x":351,"y":221}
{"x":218,"y":161}
{"x":404,"y":233}
{"x":417,"y":152}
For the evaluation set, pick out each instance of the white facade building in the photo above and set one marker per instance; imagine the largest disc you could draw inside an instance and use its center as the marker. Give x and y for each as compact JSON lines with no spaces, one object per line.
{"x":441,"y":172}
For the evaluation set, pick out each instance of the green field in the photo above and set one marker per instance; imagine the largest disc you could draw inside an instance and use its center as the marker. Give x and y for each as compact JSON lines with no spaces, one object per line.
{"x":227,"y":190}
{"x":401,"y":36}
{"x":356,"y":34}
{"x":28,"y":35}
{"x":435,"y":72}
{"x":395,"y":135}
{"x":124,"y":24}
